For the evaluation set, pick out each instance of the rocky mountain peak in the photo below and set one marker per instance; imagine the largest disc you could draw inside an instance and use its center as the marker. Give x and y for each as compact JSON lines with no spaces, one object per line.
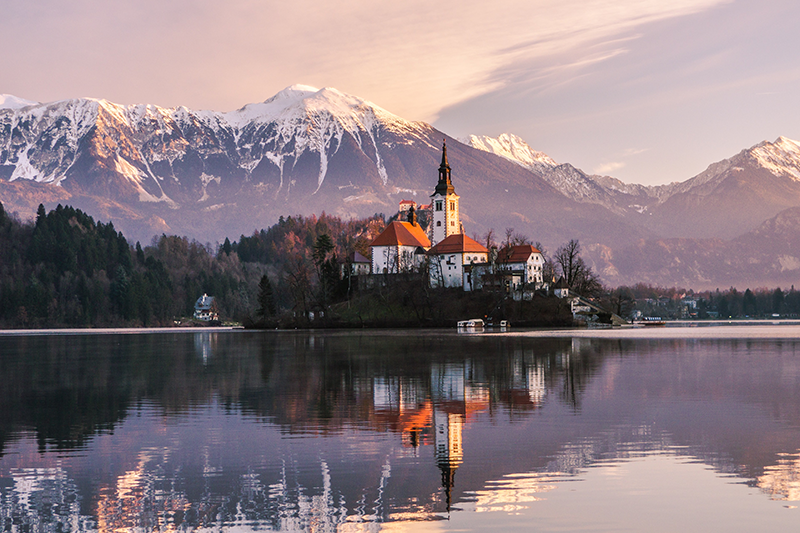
{"x":513,"y":148}
{"x":781,"y":157}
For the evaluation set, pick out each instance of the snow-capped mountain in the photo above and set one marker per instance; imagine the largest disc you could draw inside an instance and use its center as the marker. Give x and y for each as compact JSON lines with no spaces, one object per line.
{"x":210,"y":175}
{"x":565,"y":178}
{"x":157,"y":149}
{"x":755,"y":184}
{"x":276,"y":153}
{"x":732,"y":196}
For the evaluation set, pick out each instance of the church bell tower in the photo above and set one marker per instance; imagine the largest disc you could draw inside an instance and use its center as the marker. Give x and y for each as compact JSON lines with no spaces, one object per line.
{"x":444,"y":204}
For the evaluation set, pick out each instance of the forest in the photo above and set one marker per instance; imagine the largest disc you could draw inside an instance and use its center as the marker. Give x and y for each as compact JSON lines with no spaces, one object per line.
{"x":64,"y":269}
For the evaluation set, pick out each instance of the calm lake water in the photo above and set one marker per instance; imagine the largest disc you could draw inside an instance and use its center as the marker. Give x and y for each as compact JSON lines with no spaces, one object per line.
{"x":691,"y":429}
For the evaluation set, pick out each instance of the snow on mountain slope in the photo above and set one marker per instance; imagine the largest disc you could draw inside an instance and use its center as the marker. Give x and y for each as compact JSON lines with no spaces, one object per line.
{"x":570,"y":181}
{"x":8,"y":101}
{"x":175,"y":152}
{"x":301,"y":118}
{"x":514,"y":149}
{"x":734,"y":195}
{"x":39,"y":142}
{"x":781,"y":157}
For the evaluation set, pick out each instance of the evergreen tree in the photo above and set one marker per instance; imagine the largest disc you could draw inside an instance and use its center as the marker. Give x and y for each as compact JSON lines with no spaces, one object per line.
{"x":226,"y":247}
{"x":327,"y":268}
{"x":266,"y":298}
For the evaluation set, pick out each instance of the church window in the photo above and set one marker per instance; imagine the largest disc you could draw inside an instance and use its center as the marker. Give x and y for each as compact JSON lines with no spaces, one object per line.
{"x":452,"y":206}
{"x":452,"y":222}
{"x":438,"y":205}
{"x":438,"y":222}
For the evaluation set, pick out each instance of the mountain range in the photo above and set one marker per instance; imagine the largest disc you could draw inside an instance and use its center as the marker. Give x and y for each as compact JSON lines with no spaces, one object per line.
{"x":211,"y":175}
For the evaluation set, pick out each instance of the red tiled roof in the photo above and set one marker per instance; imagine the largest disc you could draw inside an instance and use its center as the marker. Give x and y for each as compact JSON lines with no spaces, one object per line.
{"x":408,"y":202}
{"x":456,"y":244}
{"x":402,"y":234}
{"x":516,"y":254}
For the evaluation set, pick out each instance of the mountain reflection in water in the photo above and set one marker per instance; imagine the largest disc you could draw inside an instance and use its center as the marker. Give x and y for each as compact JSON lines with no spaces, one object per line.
{"x":364,"y":431}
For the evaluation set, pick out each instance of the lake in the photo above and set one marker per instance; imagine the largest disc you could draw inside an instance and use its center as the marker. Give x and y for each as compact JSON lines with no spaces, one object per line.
{"x":674,"y":429}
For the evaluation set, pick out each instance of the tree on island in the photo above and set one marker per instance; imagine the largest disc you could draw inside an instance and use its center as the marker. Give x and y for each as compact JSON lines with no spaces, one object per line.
{"x":578,"y":275}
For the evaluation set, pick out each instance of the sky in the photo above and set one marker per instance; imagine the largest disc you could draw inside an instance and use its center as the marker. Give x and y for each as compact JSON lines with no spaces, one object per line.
{"x":647,"y":91}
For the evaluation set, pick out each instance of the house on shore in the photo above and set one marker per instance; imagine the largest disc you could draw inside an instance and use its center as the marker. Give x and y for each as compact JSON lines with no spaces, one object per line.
{"x":561,"y":288}
{"x":205,"y":308}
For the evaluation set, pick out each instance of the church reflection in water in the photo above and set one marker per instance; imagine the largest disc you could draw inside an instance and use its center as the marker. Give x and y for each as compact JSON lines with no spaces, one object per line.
{"x":324,"y":433}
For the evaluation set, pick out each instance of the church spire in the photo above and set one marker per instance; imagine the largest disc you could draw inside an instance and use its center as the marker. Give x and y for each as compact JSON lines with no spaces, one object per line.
{"x":445,"y":185}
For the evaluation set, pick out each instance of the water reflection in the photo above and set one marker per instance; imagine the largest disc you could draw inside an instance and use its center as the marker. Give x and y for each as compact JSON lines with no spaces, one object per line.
{"x":347,"y":431}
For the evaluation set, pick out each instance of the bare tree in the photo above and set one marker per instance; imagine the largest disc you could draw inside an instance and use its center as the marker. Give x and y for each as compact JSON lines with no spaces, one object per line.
{"x":509,"y":238}
{"x":567,"y":259}
{"x":488,"y":238}
{"x":578,"y":275}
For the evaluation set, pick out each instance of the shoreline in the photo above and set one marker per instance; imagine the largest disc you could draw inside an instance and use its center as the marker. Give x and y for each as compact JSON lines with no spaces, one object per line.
{"x":785,"y":328}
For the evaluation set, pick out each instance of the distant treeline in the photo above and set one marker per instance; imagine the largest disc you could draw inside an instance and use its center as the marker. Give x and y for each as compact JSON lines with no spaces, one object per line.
{"x":679,"y":303}
{"x":66,"y":270}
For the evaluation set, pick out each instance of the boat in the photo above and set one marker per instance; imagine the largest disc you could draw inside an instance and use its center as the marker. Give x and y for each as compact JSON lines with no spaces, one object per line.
{"x":472,"y":323}
{"x":650,"y":321}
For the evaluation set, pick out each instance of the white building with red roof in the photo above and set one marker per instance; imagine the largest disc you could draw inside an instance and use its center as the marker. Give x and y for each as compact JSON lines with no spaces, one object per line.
{"x":522,"y":264}
{"x":400,"y":247}
{"x":405,"y":205}
{"x":453,"y":259}
{"x":357,"y":264}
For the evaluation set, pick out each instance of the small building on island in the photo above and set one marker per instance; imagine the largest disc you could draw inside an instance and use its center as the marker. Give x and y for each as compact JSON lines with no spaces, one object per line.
{"x":356,"y":264}
{"x":522,"y":264}
{"x":400,"y":247}
{"x":452,"y":262}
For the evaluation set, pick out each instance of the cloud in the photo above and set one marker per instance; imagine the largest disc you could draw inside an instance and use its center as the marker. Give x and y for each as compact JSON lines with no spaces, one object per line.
{"x":608,"y":168}
{"x":413,"y":57}
{"x":634,"y":151}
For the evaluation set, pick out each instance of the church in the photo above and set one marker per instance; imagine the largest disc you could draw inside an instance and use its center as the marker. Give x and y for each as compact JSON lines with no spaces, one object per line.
{"x":453,"y":259}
